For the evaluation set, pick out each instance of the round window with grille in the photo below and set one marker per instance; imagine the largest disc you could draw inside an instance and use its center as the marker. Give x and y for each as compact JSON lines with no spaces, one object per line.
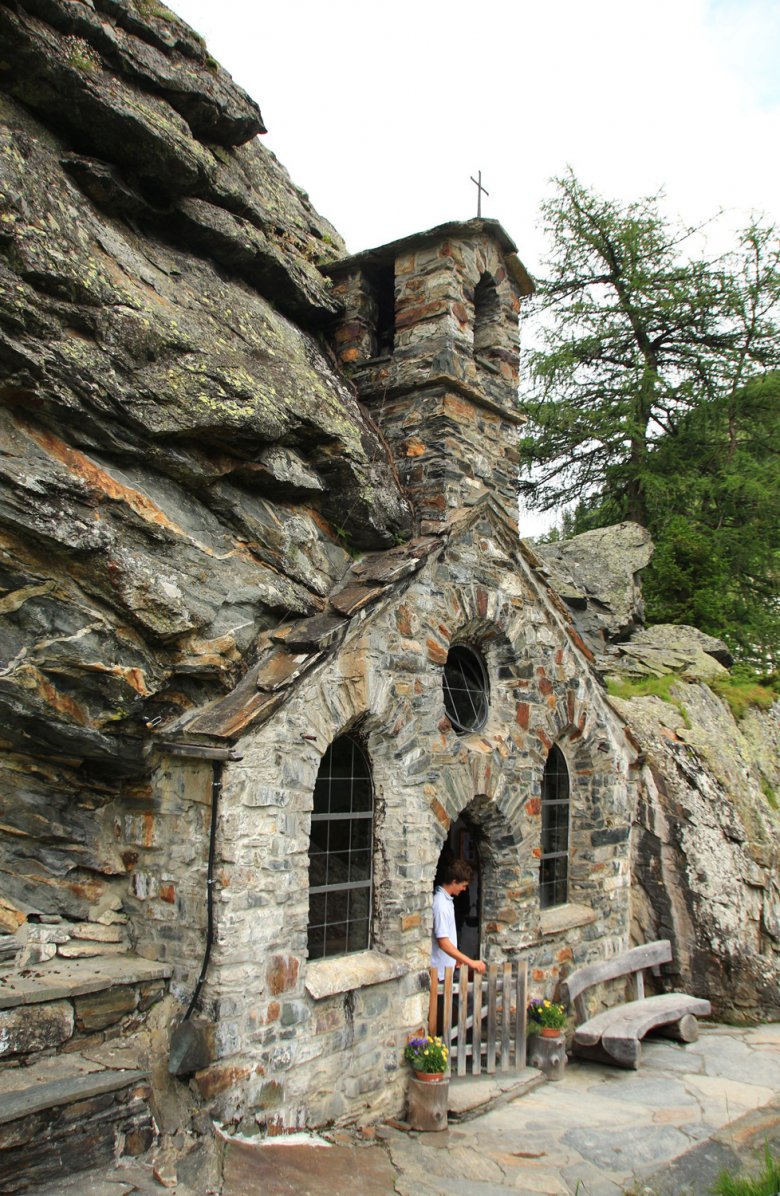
{"x":466,"y":689}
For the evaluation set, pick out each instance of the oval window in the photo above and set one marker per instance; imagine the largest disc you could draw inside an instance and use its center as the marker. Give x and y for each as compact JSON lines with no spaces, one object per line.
{"x":466,"y":688}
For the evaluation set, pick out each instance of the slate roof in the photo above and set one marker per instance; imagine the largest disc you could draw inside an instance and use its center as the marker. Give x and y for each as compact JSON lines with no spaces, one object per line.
{"x":384,"y":254}
{"x":295,"y":648}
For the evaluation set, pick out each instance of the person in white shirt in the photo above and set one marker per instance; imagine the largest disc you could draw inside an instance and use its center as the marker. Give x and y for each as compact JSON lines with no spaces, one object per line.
{"x":444,"y":947}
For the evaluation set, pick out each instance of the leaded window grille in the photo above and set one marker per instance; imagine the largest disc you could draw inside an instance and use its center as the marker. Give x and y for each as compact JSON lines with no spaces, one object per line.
{"x":554,"y":863}
{"x":341,"y":852}
{"x":466,"y":689}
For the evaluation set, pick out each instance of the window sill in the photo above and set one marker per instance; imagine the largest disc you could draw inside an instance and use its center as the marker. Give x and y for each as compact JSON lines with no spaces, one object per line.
{"x":342,"y":973}
{"x":565,"y":917}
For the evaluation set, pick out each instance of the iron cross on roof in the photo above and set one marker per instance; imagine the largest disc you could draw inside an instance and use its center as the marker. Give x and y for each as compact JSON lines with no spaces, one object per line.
{"x":480,"y":191}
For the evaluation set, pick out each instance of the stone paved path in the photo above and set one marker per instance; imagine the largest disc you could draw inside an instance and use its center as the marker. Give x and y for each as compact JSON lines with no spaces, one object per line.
{"x":665,"y":1130}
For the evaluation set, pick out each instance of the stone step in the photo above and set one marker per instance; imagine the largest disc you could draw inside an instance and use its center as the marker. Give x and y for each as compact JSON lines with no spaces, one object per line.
{"x":61,"y":1003}
{"x":69,"y":1114}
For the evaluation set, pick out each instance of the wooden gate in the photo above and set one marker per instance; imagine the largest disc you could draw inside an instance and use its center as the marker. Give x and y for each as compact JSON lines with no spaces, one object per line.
{"x":481,"y":1018}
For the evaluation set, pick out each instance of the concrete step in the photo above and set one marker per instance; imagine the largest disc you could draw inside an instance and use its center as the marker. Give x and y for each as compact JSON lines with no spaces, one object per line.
{"x":68,"y":1114}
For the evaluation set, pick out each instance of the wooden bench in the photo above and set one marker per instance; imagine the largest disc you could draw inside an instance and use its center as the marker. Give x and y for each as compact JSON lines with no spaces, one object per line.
{"x":614,"y":1035}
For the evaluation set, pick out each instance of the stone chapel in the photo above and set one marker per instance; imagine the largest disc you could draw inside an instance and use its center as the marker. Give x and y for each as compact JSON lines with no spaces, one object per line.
{"x":442,"y":701}
{"x":272,"y":648}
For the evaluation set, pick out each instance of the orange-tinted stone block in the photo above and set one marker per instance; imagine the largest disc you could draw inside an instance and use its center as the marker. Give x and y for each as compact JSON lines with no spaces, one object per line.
{"x":403,"y":620}
{"x":282,"y":974}
{"x":437,"y":653}
{"x":218,"y":1079}
{"x":441,"y":813}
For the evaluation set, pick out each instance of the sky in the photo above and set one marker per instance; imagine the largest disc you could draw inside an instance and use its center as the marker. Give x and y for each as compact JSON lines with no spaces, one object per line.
{"x":383,"y":112}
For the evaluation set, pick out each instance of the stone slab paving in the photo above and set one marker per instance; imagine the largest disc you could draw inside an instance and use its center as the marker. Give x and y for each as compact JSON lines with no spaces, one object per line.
{"x":279,"y":1170}
{"x":665,"y":1130}
{"x":729,"y":1149}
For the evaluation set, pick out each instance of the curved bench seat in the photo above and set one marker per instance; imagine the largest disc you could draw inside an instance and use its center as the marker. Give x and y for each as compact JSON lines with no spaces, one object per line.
{"x":615,"y":1034}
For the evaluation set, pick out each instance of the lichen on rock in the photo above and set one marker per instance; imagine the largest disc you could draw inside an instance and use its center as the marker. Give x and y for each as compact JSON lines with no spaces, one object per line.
{"x":178,"y":446}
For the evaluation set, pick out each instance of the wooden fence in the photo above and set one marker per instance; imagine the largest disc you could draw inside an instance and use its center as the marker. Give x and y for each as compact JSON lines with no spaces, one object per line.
{"x":481,"y":1018}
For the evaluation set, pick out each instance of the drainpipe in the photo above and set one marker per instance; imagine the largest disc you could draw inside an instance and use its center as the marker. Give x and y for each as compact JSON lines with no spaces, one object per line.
{"x":216,"y":789}
{"x":192,"y":1040}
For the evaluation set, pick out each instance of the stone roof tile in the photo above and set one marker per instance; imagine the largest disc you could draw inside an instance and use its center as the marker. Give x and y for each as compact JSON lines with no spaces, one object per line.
{"x":355,"y":597}
{"x":312,"y":635}
{"x":281,"y":667}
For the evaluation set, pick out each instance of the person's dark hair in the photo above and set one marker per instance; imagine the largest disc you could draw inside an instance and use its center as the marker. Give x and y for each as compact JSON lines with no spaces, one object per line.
{"x":456,"y":870}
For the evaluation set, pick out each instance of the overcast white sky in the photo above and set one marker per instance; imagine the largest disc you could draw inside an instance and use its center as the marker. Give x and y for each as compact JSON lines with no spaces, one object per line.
{"x":382,"y":112}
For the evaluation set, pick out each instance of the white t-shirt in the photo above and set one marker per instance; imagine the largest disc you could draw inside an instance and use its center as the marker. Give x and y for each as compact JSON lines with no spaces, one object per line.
{"x":443,"y":928}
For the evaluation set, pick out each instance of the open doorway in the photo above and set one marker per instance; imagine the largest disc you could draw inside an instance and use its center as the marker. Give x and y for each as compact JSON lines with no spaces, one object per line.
{"x":462,"y":843}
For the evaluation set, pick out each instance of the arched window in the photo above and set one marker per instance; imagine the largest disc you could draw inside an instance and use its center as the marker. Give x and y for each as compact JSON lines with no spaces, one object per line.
{"x":487,"y":313}
{"x":341,"y":852}
{"x":466,"y":689}
{"x":554,"y":864}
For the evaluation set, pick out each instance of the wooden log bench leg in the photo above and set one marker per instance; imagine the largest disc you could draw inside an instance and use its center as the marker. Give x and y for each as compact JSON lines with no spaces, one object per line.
{"x":620,"y":1054}
{"x":624,"y":1052}
{"x":684,"y":1030}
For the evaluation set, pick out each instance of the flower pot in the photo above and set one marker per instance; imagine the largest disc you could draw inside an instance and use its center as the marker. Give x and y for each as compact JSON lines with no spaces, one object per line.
{"x":549,"y":1032}
{"x":429,"y":1077}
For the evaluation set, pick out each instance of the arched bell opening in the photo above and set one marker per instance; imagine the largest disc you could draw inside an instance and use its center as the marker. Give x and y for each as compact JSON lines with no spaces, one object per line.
{"x":487,"y":314}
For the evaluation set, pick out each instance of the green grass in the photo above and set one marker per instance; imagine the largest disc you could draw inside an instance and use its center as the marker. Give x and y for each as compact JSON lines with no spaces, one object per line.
{"x":741,"y":690}
{"x":765,"y":1182}
{"x":645,"y":687}
{"x":744,"y":688}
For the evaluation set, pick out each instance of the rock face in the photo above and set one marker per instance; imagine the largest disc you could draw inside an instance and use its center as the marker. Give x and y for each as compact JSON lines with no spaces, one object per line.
{"x":182,"y":462}
{"x":666,"y":648}
{"x":706,"y":846}
{"x":706,"y":837}
{"x":186,"y":474}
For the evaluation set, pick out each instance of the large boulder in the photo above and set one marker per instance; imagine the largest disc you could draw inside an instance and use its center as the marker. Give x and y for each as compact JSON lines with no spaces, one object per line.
{"x":667,"y":648}
{"x":597,"y":574}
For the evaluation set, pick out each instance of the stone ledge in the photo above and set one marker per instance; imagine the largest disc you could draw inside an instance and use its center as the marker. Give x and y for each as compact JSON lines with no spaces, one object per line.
{"x":342,"y":973}
{"x":471,"y":1096}
{"x":565,"y":917}
{"x":68,"y":1091}
{"x":67,"y":978}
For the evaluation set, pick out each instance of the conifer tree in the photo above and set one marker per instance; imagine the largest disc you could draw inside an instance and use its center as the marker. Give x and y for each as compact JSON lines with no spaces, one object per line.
{"x":653,"y":398}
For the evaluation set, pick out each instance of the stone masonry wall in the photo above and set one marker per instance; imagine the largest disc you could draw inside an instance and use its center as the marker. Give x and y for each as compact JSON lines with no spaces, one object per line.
{"x":435,"y":318}
{"x":449,"y":451}
{"x":294,"y":1046}
{"x":165,"y":829}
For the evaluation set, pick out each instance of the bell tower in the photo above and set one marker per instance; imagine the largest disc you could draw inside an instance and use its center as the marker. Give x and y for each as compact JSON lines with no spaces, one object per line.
{"x":429,"y":336}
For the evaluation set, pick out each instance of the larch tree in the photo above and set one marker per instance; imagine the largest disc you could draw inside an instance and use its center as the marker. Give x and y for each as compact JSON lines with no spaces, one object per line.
{"x":654,"y":396}
{"x":632,"y":333}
